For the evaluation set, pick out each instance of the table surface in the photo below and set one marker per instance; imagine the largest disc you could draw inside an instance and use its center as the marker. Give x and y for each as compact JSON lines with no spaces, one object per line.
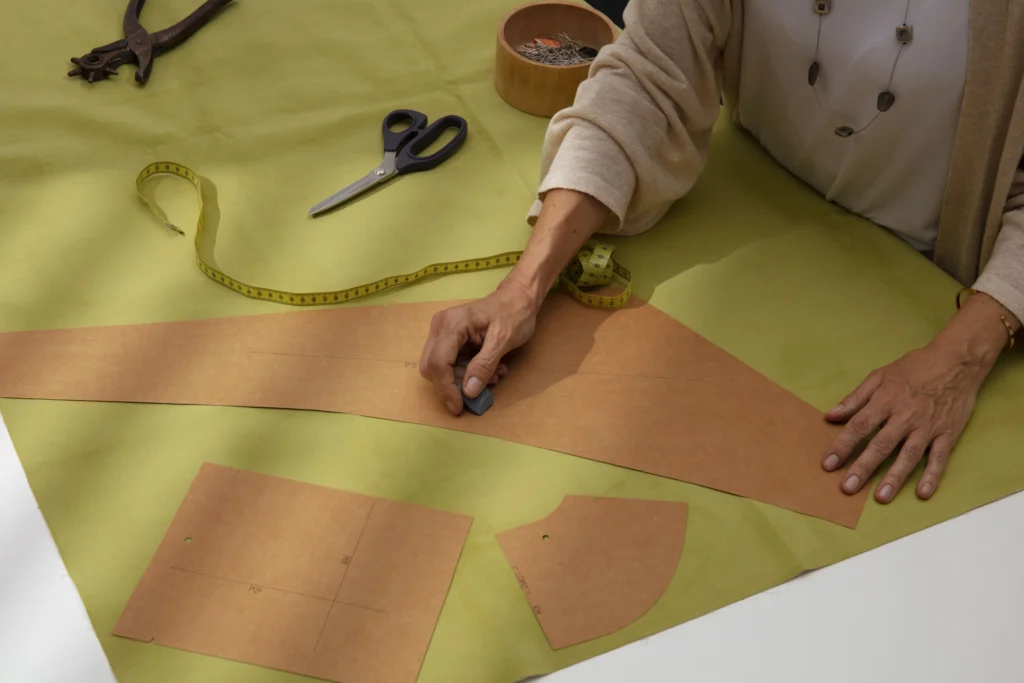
{"x":945,"y":604}
{"x":752,"y":259}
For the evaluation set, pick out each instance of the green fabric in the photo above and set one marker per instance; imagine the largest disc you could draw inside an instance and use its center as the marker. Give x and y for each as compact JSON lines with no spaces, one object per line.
{"x":279,"y":105}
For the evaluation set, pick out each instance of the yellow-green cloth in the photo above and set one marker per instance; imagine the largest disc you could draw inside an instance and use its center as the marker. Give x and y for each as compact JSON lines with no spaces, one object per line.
{"x":279,"y":105}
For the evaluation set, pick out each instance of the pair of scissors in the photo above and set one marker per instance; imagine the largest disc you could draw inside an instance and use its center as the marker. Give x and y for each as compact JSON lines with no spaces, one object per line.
{"x":402,"y":152}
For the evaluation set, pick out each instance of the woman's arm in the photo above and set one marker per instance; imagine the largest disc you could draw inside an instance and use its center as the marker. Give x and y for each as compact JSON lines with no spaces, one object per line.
{"x":637,"y":136}
{"x":978,"y":332}
{"x":567,"y":221}
{"x":921,"y":403}
{"x":634,"y":141}
{"x":1003,"y":277}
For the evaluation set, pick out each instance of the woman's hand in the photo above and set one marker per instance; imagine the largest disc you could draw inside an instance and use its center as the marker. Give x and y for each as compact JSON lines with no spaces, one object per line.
{"x":919,"y":404}
{"x":498,"y":323}
{"x":505,"y":320}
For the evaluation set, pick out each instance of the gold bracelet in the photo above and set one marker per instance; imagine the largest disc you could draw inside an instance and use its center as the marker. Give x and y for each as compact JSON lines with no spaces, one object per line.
{"x":1009,"y":328}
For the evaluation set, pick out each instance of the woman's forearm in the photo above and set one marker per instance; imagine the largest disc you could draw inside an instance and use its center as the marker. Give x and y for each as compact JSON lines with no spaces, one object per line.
{"x":567,"y":220}
{"x":976,"y":334}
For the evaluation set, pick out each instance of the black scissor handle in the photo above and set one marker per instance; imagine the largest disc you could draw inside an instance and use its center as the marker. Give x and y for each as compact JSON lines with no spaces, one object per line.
{"x":409,"y":160}
{"x":394,"y":141}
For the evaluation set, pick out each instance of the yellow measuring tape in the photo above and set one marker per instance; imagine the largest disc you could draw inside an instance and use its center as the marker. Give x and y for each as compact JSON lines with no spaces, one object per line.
{"x":592,"y":267}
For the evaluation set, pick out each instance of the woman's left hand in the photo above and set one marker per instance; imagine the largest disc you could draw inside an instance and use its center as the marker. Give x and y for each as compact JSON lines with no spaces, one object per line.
{"x":919,"y":405}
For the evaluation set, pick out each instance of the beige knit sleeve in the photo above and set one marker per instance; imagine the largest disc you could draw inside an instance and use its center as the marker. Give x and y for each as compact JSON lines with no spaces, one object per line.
{"x":1003,"y":277}
{"x":637,"y":135}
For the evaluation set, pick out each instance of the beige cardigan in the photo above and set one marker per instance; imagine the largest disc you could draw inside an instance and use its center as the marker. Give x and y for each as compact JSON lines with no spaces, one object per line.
{"x":638,"y":133}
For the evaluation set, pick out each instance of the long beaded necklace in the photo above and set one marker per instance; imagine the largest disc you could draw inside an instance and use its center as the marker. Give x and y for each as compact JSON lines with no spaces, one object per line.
{"x":886,"y":99}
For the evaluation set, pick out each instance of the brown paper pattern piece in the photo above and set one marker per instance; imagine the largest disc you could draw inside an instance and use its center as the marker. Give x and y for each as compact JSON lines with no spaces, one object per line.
{"x":632,"y":387}
{"x":595,"y":565}
{"x":297,"y":577}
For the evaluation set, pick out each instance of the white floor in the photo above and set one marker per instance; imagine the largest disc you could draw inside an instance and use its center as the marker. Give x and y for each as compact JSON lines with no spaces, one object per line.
{"x":944,"y":605}
{"x":45,"y":634}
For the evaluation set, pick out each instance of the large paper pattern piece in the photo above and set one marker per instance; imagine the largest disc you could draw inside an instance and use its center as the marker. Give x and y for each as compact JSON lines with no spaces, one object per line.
{"x":632,"y":387}
{"x":298,"y":577}
{"x":595,"y":565}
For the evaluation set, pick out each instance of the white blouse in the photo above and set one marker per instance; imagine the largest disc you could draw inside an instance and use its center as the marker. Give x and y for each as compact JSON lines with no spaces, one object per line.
{"x":893,"y":172}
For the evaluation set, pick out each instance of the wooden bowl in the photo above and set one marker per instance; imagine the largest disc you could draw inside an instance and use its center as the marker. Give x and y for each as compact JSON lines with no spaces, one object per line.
{"x":543,"y":89}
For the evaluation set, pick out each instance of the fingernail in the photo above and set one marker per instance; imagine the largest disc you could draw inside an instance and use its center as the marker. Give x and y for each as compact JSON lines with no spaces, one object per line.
{"x":837,"y":409}
{"x":885,"y":493}
{"x":851,"y":484}
{"x":926,"y":489}
{"x":473,"y":387}
{"x":831,"y":462}
{"x":453,"y":407}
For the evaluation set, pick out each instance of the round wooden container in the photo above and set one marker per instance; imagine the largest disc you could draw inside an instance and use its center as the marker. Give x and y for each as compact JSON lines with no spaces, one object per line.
{"x":542,"y":89}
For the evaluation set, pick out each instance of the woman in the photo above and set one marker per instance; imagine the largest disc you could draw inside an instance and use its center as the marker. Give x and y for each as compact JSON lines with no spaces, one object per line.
{"x":907,"y":112}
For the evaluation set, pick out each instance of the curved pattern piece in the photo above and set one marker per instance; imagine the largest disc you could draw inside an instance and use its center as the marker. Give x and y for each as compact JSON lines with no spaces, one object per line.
{"x":595,"y":565}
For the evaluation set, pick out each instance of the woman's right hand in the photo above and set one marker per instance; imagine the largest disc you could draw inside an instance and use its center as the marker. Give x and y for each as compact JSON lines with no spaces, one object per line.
{"x":491,"y":327}
{"x":466,"y":343}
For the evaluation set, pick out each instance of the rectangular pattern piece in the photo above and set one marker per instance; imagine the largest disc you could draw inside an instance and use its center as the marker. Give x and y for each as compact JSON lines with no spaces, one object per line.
{"x":298,"y":577}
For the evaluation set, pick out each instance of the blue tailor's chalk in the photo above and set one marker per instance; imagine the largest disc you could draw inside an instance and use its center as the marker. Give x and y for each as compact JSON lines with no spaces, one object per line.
{"x":480,"y":404}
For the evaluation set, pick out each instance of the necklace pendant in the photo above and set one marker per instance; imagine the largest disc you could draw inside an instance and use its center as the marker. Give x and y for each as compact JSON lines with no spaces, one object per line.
{"x":844,"y":131}
{"x":885,"y":101}
{"x":812,"y":74}
{"x":904,"y":33}
{"x":822,"y":7}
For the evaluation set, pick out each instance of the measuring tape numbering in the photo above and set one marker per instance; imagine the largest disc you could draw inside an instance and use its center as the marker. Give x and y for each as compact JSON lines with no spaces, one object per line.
{"x":592,"y":267}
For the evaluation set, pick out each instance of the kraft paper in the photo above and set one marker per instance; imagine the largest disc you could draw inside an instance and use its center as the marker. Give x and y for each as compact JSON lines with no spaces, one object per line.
{"x":631,"y":387}
{"x":595,"y":565}
{"x":298,"y":577}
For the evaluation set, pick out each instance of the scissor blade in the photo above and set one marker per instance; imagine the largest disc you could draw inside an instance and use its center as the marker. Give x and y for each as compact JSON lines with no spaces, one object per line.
{"x":371,"y":179}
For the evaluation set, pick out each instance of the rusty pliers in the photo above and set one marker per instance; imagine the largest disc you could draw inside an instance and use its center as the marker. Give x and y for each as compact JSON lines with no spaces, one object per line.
{"x":139,"y":46}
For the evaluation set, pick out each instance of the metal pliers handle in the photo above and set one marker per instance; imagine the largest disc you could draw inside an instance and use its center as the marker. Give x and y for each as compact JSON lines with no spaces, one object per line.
{"x":139,"y":46}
